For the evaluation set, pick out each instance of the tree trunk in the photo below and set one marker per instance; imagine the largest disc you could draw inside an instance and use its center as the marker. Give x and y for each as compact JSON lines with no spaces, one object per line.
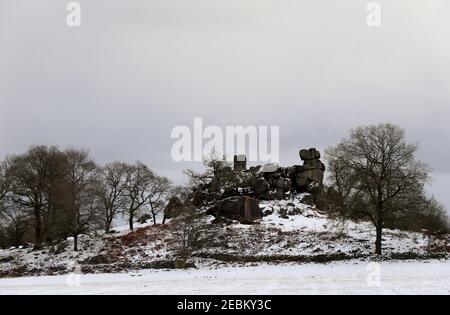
{"x":131,"y":222}
{"x":164,"y":219}
{"x":50,"y":224}
{"x":75,"y":243}
{"x":379,"y":223}
{"x":18,"y":237}
{"x":378,"y":242}
{"x":108,"y":225}
{"x":38,"y":228}
{"x":154,"y":217}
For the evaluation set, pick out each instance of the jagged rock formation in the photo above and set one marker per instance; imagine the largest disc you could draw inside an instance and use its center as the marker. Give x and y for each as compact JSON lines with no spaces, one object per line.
{"x":273,"y":183}
{"x":278,"y":182}
{"x":228,"y":193}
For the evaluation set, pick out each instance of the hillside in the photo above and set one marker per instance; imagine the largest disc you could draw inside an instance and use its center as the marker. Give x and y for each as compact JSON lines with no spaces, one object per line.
{"x":290,"y":231}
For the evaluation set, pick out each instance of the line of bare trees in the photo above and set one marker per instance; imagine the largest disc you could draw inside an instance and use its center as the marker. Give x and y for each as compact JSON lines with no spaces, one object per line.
{"x":48,"y":194}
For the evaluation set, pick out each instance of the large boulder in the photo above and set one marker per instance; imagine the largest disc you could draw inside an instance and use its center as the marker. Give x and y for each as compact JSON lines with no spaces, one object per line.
{"x":313,"y":165}
{"x":270,"y":168}
{"x":310,"y":154}
{"x":262,"y":189}
{"x":176,"y":207}
{"x":244,"y":209}
{"x":283,"y":187}
{"x":260,"y":186}
{"x":309,"y":176}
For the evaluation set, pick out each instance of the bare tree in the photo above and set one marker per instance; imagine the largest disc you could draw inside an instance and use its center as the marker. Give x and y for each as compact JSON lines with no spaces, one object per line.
{"x":376,"y":174}
{"x":190,"y":232}
{"x":158,"y":190}
{"x":138,"y":178}
{"x":30,"y":175}
{"x":82,"y":205}
{"x":214,"y":164}
{"x":111,"y":191}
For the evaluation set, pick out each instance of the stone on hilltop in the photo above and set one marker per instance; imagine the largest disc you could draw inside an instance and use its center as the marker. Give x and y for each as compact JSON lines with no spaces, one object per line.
{"x":242,"y":208}
{"x":311,"y":154}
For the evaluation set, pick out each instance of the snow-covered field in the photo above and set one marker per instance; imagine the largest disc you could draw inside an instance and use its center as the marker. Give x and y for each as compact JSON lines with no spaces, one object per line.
{"x":429,"y":277}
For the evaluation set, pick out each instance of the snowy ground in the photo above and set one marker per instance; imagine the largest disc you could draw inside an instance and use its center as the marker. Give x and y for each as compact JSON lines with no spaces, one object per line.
{"x":431,"y":277}
{"x":289,"y":231}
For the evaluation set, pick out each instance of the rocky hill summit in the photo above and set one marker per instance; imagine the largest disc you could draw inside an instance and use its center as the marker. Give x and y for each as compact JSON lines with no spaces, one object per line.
{"x":235,"y":193}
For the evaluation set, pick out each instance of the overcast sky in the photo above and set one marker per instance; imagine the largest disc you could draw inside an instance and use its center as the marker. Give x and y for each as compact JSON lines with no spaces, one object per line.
{"x":135,"y":69}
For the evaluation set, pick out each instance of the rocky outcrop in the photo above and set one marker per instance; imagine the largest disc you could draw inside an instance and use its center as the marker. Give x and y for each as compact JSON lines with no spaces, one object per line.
{"x":309,"y":176}
{"x":283,"y":188}
{"x":242,"y":208}
{"x":277,"y":182}
{"x":261,"y":189}
{"x":176,"y":207}
{"x":272,"y":184}
{"x":234,"y":194}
